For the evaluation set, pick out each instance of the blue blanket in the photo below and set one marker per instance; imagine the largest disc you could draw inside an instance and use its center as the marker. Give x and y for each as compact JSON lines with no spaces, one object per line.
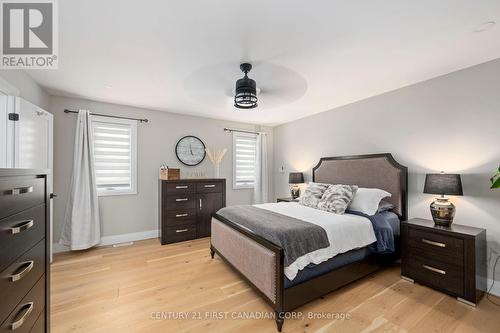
{"x":383,"y":232}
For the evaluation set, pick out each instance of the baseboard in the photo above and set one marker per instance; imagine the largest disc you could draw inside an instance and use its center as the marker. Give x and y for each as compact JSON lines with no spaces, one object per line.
{"x":496,"y":288}
{"x":116,"y":239}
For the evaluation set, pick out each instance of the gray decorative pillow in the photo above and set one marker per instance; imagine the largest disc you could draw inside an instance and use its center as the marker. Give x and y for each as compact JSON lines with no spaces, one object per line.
{"x":384,"y":206}
{"x":313,"y":194}
{"x":337,"y":197}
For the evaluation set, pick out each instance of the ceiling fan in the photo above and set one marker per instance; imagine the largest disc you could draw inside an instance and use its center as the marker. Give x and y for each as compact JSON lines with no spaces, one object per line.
{"x":218,"y":86}
{"x":245,"y":95}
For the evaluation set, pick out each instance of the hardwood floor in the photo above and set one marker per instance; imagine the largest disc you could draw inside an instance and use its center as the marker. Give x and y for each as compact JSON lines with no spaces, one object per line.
{"x":128,"y":289}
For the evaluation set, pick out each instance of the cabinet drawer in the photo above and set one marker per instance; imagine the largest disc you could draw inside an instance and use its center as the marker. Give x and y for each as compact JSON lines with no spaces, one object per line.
{"x":176,"y":217}
{"x":181,"y":233}
{"x":444,"y":276}
{"x":24,"y":315}
{"x":39,"y":326}
{"x":17,"y":195}
{"x":432,"y":245}
{"x":17,"y":279}
{"x":18,"y":233}
{"x":207,"y":187}
{"x":181,"y":188}
{"x":180,"y":201}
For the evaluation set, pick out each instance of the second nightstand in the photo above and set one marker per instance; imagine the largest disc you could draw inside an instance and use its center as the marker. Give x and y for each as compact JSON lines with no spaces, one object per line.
{"x":450,"y":259}
{"x":287,"y":199}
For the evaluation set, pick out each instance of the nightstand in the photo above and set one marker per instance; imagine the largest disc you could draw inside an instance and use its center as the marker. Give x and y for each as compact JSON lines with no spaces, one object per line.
{"x":287,"y":199}
{"x":449,"y":259}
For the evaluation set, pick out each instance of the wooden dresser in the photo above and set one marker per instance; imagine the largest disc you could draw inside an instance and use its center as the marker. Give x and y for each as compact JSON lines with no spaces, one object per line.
{"x":452,"y":259}
{"x":24,"y":249}
{"x":186,"y":207}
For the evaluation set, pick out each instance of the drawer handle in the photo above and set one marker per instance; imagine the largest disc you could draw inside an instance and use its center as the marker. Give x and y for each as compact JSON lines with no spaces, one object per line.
{"x":181,"y":215}
{"x":21,"y":226}
{"x":183,"y":186}
{"x":26,"y":266}
{"x":181,"y":199}
{"x":426,"y":241}
{"x":181,"y":230}
{"x":19,"y":190}
{"x":437,"y":270}
{"x":27,"y":308}
{"x":211,"y":185}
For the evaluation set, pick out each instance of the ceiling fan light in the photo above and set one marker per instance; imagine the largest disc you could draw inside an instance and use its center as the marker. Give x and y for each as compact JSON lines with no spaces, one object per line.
{"x":245,"y":96}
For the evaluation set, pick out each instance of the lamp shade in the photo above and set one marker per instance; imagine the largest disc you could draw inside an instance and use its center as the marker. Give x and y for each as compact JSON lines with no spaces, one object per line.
{"x":296,"y":178}
{"x":443,"y":183}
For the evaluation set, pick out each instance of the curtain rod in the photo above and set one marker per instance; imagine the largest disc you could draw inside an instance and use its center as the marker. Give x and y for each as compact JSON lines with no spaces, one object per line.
{"x":226,"y":129}
{"x":145,"y":120}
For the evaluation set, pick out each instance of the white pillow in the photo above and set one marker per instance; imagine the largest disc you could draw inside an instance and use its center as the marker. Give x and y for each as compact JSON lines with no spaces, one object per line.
{"x":366,"y":200}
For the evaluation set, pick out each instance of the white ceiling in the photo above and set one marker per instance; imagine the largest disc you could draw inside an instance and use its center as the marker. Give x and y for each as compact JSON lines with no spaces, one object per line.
{"x":308,"y":56}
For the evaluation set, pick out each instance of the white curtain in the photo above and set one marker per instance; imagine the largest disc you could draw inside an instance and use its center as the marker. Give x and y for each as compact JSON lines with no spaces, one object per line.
{"x":261,"y":188}
{"x":82,"y":228}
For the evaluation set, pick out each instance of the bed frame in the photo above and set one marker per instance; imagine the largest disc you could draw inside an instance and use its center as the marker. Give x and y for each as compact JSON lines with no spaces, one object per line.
{"x":260,"y":262}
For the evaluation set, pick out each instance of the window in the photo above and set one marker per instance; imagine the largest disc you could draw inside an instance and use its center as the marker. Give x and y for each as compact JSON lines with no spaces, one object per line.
{"x":244,"y":159}
{"x":115,"y":155}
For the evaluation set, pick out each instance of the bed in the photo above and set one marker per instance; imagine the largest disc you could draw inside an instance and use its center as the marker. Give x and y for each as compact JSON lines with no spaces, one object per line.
{"x":262,"y":263}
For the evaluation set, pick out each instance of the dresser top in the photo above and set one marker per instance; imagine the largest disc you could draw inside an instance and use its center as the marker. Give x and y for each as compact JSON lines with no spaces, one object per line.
{"x":194,"y":180}
{"x":453,"y":229}
{"x":7,"y":172}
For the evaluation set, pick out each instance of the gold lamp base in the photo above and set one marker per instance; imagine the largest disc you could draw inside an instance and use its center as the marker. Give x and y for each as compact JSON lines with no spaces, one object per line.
{"x":443,"y":212}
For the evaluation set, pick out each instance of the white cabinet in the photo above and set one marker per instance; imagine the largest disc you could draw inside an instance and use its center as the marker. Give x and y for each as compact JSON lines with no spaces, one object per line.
{"x":26,"y":134}
{"x":7,"y":106}
{"x":26,"y":138}
{"x":33,"y":135}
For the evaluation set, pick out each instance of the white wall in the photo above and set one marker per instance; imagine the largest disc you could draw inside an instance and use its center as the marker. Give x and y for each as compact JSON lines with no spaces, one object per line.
{"x":28,"y":88}
{"x":156,"y":142}
{"x":450,"y":123}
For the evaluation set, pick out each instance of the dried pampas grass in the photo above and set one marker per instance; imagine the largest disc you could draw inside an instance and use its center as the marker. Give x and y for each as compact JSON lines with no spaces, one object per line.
{"x":216,"y":156}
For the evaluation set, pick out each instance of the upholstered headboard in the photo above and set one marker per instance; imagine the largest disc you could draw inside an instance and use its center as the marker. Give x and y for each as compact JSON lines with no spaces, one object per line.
{"x":375,"y":171}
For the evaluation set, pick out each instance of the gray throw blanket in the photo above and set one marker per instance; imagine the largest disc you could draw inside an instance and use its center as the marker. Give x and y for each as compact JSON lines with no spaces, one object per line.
{"x":295,"y":237}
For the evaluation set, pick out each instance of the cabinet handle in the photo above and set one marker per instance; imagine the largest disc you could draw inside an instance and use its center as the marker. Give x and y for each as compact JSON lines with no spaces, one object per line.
{"x":28,"y":266}
{"x":183,"y":186}
{"x":430,"y":268}
{"x":22,"y":226}
{"x":201,"y":204}
{"x":19,"y":190}
{"x":181,"y":199}
{"x":181,"y":215}
{"x":426,"y":241}
{"x":181,"y":230}
{"x":211,"y":185}
{"x":27,"y":308}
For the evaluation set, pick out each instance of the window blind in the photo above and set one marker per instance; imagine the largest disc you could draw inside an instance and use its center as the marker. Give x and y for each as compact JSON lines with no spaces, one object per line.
{"x":114,"y":155}
{"x":244,"y":159}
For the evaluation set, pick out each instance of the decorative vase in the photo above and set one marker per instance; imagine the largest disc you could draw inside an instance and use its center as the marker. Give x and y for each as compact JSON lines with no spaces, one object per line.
{"x":216,"y":170}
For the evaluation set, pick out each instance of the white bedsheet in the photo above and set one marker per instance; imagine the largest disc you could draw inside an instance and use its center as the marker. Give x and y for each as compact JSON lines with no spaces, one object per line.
{"x":345,"y":232}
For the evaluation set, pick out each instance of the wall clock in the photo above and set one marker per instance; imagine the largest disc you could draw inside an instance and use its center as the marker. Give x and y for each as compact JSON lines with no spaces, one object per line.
{"x":190,"y":150}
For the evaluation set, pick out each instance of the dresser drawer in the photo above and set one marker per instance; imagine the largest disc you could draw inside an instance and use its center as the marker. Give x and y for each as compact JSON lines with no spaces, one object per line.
{"x":207,"y":187}
{"x":24,"y":315}
{"x":19,"y":233}
{"x":39,"y":326}
{"x":181,"y":233}
{"x":17,"y":195}
{"x":182,"y":216}
{"x":181,"y":188}
{"x":438,"y":274}
{"x":433,"y":245}
{"x":181,"y":201}
{"x":17,"y":279}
